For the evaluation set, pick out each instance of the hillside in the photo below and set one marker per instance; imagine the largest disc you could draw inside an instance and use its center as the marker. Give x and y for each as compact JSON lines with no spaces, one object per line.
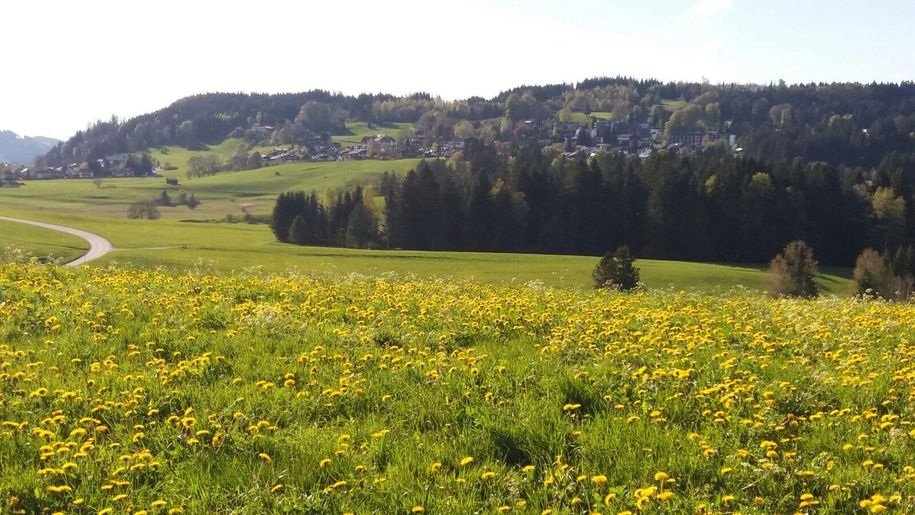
{"x":22,"y":150}
{"x":679,"y":172}
{"x":840,"y":123}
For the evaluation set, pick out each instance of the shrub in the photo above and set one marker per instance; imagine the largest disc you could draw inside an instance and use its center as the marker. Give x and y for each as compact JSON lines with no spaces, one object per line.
{"x":793,"y":272}
{"x":872,"y":276}
{"x":141,"y":210}
{"x":877,"y":275}
{"x":616,"y":271}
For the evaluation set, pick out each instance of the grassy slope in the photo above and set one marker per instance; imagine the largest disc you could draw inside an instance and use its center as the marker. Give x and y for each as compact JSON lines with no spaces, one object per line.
{"x":42,"y":243}
{"x":360,"y":130}
{"x":585,"y":118}
{"x":673,"y":105}
{"x":222,"y":194}
{"x":225,"y":247}
{"x":178,"y":156}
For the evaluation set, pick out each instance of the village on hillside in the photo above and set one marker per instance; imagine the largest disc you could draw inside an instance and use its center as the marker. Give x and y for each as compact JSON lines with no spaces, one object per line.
{"x":576,"y":138}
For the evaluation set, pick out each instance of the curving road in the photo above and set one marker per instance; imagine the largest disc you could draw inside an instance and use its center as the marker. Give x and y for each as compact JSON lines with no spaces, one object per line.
{"x":98,"y":246}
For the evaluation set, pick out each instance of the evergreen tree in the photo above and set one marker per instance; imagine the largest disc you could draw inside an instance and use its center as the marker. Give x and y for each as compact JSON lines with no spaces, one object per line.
{"x":165,"y":199}
{"x":298,"y":231}
{"x":145,"y":166}
{"x":479,"y":215}
{"x":616,"y":271}
{"x":361,"y":227}
{"x":288,"y":206}
{"x":793,"y":272}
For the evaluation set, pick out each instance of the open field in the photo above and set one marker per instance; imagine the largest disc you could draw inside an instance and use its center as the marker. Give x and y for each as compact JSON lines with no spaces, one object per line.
{"x":361,"y":129}
{"x":44,"y":244}
{"x":225,"y":247}
{"x":586,"y":118}
{"x":128,"y":390}
{"x":177,"y":156}
{"x":225,"y":193}
{"x":673,"y":105}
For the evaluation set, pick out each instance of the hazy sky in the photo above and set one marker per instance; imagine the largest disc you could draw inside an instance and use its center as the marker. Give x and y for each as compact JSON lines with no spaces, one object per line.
{"x":65,"y":63}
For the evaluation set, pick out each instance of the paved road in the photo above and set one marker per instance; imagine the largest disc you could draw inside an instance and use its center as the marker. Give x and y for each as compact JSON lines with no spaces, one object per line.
{"x":98,"y":246}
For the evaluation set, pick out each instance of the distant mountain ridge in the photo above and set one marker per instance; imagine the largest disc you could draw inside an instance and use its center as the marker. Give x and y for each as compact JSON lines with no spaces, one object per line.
{"x":23,"y":150}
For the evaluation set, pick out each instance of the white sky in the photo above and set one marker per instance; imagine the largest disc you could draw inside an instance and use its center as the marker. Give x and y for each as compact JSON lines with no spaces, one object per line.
{"x":66,"y":63}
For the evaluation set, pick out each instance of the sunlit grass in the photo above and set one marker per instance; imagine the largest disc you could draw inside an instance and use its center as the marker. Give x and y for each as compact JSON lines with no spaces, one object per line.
{"x":140,"y":390}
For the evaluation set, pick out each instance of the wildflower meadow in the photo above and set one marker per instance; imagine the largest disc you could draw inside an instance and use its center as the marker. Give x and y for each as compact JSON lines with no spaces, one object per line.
{"x":140,"y":391}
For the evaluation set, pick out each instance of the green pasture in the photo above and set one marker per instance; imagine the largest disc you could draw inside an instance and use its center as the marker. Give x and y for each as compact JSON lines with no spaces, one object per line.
{"x":225,"y":247}
{"x":360,"y":130}
{"x":228,"y":193}
{"x":44,"y":244}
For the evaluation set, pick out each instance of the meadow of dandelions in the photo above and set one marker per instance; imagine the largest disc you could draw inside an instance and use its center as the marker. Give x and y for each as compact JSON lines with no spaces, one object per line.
{"x":128,"y":391}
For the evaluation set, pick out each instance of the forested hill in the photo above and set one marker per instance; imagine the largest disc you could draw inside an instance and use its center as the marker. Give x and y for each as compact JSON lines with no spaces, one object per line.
{"x":840,"y":124}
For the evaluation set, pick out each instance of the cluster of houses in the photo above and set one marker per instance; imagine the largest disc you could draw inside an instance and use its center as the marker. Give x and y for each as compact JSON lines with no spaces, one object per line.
{"x":641,"y":139}
{"x":110,"y":166}
{"x":379,"y":146}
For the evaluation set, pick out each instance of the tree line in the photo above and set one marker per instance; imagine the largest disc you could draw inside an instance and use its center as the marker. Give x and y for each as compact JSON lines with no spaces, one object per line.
{"x":706,"y":207}
{"x":303,"y":219}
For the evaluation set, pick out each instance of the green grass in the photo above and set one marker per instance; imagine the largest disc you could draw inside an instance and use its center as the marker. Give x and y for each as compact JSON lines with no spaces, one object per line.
{"x":578,"y":117}
{"x":226,"y":247}
{"x":37,"y":242}
{"x":673,"y":105}
{"x":178,"y":156}
{"x":144,"y":390}
{"x":225,"y":193}
{"x":361,"y":129}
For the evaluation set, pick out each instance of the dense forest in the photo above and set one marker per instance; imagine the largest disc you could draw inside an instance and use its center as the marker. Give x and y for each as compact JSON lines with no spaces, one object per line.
{"x":708,"y":207}
{"x":840,"y":124}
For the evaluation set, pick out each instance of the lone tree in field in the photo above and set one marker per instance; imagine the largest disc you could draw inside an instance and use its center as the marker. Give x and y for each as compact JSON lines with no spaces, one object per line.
{"x":793,"y":272}
{"x":616,"y":271}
